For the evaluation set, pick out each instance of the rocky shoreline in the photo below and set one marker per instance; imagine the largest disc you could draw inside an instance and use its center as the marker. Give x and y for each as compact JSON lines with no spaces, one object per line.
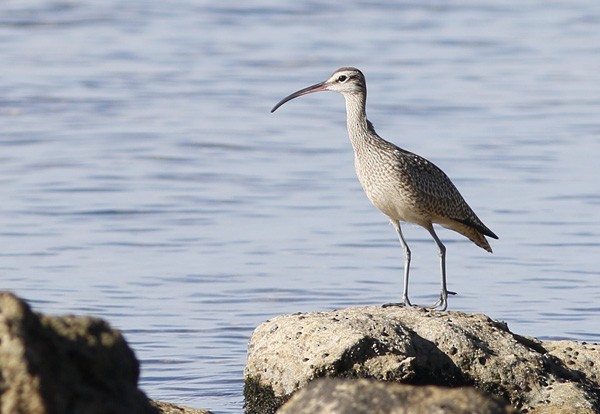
{"x":355,"y":360}
{"x":456,"y":362}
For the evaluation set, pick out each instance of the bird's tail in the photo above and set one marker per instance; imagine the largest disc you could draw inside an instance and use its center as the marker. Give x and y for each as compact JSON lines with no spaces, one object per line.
{"x":471,"y":233}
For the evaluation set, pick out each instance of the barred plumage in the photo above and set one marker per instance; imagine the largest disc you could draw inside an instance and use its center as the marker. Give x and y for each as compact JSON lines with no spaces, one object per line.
{"x":404,"y":186}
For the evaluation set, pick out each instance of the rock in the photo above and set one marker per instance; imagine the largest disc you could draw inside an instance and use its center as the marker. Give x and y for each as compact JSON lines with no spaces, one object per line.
{"x":68,"y":364}
{"x":414,"y":346}
{"x":167,"y":408}
{"x":362,"y":396}
{"x":64,"y":365}
{"x":577,"y":356}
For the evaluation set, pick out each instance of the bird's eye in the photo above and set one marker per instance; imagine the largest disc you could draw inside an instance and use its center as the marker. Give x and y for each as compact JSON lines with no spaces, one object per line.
{"x":342,"y":78}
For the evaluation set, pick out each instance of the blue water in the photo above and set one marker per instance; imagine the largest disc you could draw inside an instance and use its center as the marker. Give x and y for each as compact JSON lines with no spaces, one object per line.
{"x":144,"y":180}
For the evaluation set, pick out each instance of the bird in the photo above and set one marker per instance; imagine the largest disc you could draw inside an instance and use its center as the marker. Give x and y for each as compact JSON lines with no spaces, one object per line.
{"x":402,"y":185}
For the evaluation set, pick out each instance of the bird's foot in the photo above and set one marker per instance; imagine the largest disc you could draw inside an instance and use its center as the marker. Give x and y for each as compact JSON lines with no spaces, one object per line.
{"x":405,"y":303}
{"x":442,"y":302}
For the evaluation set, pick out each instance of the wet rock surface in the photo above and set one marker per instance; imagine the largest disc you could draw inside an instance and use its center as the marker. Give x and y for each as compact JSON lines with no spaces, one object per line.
{"x":419,"y":347}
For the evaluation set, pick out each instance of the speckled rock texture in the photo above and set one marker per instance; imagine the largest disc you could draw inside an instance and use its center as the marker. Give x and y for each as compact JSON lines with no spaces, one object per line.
{"x":362,"y":396}
{"x":56,"y":365}
{"x":418,"y":346}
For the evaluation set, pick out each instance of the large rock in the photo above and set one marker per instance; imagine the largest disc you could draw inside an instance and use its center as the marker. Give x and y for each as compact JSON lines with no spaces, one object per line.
{"x":66,"y":365}
{"x":416,"y":346}
{"x":362,"y":396}
{"x":60,"y":365}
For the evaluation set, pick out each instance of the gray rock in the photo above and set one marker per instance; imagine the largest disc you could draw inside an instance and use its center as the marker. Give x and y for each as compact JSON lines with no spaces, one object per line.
{"x":362,"y":396}
{"x":67,"y":364}
{"x":413,"y":346}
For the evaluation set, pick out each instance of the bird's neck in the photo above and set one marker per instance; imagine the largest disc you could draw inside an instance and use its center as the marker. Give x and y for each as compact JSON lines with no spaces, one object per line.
{"x":359,"y":128}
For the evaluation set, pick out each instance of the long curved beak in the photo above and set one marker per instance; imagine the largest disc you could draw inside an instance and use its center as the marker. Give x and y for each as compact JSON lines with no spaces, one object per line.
{"x":314,"y":88}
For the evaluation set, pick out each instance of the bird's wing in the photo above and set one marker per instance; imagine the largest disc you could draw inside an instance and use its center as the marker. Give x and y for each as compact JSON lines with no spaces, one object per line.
{"x":432,"y":188}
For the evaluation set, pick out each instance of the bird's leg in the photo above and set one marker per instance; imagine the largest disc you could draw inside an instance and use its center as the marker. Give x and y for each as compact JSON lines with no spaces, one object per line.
{"x":405,"y":300}
{"x":442,"y":302}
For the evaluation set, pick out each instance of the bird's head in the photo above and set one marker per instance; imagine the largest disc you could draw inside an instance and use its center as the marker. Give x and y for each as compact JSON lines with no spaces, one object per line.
{"x":347,"y":81}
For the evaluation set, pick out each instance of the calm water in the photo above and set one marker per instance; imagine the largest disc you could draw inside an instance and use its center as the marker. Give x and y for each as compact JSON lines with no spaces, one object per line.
{"x":144,"y":180}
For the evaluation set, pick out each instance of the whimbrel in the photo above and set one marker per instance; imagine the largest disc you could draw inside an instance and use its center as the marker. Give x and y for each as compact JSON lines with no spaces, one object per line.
{"x":402,"y":185}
